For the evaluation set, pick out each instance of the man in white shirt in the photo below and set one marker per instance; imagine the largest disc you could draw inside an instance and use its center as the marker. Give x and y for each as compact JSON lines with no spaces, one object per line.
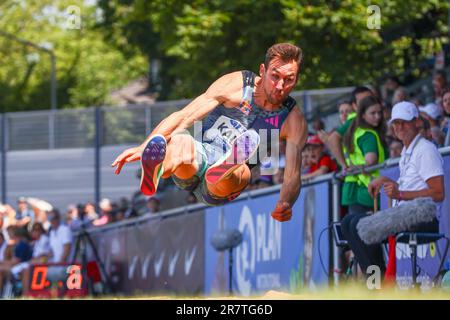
{"x":421,"y":175}
{"x":60,"y":238}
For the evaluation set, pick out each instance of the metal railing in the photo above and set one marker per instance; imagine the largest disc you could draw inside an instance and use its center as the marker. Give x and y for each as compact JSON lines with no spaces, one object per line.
{"x":335,"y":179}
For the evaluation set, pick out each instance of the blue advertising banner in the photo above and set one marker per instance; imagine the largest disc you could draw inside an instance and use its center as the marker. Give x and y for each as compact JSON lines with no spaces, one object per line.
{"x":428,"y":255}
{"x":272,"y":255}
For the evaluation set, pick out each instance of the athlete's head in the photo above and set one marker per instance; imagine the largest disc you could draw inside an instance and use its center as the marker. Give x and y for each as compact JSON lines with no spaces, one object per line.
{"x":279,"y":72}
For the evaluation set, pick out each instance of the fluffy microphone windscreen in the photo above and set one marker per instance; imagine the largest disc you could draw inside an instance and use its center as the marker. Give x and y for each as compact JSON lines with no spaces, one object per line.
{"x":377,"y":227}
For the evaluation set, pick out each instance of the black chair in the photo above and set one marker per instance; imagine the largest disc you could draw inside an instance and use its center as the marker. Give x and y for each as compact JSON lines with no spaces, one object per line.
{"x":413,"y":239}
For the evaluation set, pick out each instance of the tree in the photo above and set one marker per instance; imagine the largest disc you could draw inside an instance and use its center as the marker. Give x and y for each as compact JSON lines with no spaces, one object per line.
{"x":87,"y":67}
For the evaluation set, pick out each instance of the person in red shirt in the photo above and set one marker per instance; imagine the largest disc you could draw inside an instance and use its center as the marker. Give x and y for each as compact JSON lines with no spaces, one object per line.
{"x":321,"y":162}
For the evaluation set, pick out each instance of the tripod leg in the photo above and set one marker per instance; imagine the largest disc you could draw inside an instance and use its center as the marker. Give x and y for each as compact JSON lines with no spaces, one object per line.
{"x":100,"y":263}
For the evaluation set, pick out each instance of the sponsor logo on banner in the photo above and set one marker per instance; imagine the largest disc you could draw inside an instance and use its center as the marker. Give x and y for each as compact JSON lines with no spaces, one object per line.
{"x":262,"y":243}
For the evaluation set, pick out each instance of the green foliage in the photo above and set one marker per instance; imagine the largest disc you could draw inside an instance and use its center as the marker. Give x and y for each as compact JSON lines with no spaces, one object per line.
{"x":200,"y":40}
{"x":196,"y":41}
{"x":87,"y":68}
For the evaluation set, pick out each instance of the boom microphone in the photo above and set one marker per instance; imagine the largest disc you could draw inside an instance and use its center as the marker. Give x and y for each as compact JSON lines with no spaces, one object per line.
{"x":377,"y":227}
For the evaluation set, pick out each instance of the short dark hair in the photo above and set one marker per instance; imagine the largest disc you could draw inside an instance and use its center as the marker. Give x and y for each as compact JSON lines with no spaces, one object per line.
{"x":285,"y":51}
{"x":356,"y":91}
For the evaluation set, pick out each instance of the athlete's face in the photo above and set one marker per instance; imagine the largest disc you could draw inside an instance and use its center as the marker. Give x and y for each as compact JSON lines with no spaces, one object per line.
{"x":278,"y":80}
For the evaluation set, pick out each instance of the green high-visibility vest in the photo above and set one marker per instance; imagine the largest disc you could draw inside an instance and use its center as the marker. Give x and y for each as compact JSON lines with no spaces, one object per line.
{"x":357,"y":158}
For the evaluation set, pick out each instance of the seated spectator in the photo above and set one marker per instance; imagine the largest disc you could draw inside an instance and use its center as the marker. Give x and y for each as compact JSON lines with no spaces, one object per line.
{"x":60,"y":238}
{"x":41,"y":254}
{"x":421,"y":175}
{"x":321,"y":163}
{"x":22,"y":253}
{"x":364,"y":145}
{"x":395,"y":149}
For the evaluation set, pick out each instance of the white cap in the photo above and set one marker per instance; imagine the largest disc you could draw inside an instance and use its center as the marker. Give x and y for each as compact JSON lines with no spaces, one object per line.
{"x":404,"y":110}
{"x":432,"y":110}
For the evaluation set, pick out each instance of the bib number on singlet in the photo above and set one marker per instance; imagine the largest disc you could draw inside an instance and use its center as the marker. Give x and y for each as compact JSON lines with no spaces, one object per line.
{"x":225,"y":129}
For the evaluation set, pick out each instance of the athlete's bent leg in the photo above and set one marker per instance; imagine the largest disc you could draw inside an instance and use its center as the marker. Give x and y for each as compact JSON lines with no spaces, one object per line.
{"x":181,"y":157}
{"x":235,"y":182}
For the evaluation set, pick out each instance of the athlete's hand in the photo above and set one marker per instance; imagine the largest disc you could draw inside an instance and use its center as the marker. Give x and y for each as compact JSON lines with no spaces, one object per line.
{"x":129,"y":155}
{"x":282,"y":212}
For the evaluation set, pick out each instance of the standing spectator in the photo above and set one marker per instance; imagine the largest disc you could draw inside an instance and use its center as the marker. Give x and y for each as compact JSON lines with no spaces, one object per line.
{"x":432,"y":112}
{"x":89,"y":211}
{"x":344,"y":109}
{"x":321,"y":163}
{"x":446,"y":123}
{"x":60,"y":238}
{"x":400,"y":95}
{"x":3,"y":245}
{"x":105,"y":212}
{"x":395,"y":148}
{"x":421,"y":175}
{"x":364,"y":145}
{"x":334,"y":141}
{"x":391,"y":84}
{"x":23,"y":214}
{"x":439,"y":85}
{"x":153,"y":205}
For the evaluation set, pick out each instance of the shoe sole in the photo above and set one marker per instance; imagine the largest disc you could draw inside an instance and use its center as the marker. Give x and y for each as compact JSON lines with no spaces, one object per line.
{"x":151,"y":164}
{"x":243,"y":148}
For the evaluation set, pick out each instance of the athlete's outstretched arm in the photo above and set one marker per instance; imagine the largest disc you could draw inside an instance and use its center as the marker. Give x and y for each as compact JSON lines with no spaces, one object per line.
{"x":219,"y":92}
{"x":295,"y":133}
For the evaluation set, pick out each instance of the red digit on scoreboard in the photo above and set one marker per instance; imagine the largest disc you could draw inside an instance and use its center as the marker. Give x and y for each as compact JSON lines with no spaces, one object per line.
{"x":38,"y":281}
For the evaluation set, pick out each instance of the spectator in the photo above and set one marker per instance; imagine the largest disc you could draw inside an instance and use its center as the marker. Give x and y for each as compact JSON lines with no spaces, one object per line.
{"x":90,"y":212}
{"x":22,"y":252}
{"x":153,"y":205}
{"x":321,"y":163}
{"x":344,"y":108}
{"x":3,"y":245}
{"x":41,"y":254}
{"x":334,"y":141}
{"x":278,"y":177}
{"x":60,"y":238}
{"x":421,"y":175}
{"x":439,"y":86}
{"x":364,"y":145}
{"x":432,"y":112}
{"x":400,"y":94}
{"x":395,"y":148}
{"x":318,"y":125}
{"x":23,"y":214}
{"x":105,"y":210}
{"x":445,"y":125}
{"x":425,"y":128}
{"x":389,"y":88}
